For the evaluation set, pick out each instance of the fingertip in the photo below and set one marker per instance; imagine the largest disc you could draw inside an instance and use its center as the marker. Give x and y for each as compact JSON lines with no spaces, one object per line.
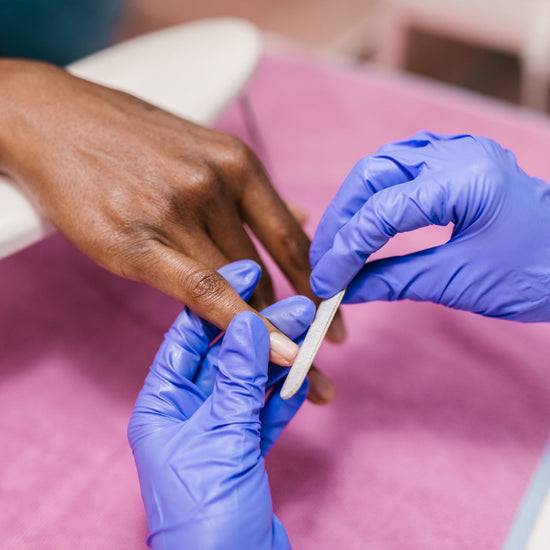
{"x":315,"y":252}
{"x":245,"y":345}
{"x":249,"y":323}
{"x":337,"y":332}
{"x":243,"y":276}
{"x":321,"y":389}
{"x":303,"y":308}
{"x":301,"y":395}
{"x":292,"y":315}
{"x":239,"y":388}
{"x":320,"y":287}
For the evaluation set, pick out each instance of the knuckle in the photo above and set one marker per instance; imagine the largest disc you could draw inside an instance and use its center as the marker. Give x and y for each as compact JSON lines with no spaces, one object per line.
{"x":385,"y":210}
{"x":487,"y":158}
{"x":485,"y":174}
{"x":238,"y":157}
{"x":204,"y":180}
{"x":204,"y":284}
{"x":362,"y":165}
{"x":200,"y":182}
{"x":238,"y":148}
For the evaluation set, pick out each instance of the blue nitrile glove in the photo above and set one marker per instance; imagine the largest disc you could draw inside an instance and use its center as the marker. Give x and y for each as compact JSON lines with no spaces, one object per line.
{"x":497,"y":262}
{"x":200,"y":429}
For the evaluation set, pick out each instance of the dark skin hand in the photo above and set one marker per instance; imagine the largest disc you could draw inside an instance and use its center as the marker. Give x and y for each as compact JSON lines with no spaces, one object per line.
{"x":150,"y":196}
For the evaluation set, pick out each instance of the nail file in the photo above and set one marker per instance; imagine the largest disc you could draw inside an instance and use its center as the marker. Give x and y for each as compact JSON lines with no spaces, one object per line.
{"x":325,"y":314}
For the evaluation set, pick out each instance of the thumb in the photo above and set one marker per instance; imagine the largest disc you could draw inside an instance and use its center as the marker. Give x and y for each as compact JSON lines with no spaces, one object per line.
{"x":239,"y":390}
{"x":432,"y":275}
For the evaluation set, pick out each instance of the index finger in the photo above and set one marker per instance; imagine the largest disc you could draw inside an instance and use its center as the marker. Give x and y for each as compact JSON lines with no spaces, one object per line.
{"x":204,"y":291}
{"x":368,"y":176}
{"x":392,"y":164}
{"x":418,"y":203}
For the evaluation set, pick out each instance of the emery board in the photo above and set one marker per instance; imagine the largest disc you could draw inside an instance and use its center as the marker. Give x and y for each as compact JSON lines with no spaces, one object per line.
{"x":325,"y":314}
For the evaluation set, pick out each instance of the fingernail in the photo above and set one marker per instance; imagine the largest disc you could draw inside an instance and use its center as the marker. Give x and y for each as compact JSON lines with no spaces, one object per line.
{"x":283,"y":349}
{"x":337,"y":330}
{"x":321,"y":389}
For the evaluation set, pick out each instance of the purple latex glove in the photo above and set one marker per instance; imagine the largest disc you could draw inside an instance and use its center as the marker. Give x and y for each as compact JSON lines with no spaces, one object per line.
{"x":200,"y":428}
{"x":497,"y":262}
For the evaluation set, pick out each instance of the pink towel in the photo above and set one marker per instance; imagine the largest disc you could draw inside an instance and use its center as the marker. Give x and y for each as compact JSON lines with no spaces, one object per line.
{"x":441,"y":416}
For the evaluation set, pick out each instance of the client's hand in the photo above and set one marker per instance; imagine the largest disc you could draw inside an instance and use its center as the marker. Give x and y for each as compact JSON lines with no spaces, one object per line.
{"x":200,"y":428}
{"x":148,"y":195}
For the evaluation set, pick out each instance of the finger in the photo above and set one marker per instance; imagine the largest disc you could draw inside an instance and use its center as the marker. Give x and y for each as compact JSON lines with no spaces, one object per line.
{"x":401,"y":149}
{"x":368,"y":176}
{"x":277,"y":413}
{"x":184,"y":346}
{"x":216,"y":248}
{"x":243,"y":276}
{"x":434,"y":275}
{"x":203,"y":247}
{"x":277,"y":229}
{"x":321,"y":389}
{"x":291,"y":316}
{"x":168,"y":390}
{"x":186,"y":343}
{"x":198,"y":245}
{"x":392,"y":164}
{"x":234,"y":242}
{"x":204,"y":291}
{"x":405,"y":207}
{"x":239,"y":390}
{"x":423,"y":150}
{"x":337,"y":331}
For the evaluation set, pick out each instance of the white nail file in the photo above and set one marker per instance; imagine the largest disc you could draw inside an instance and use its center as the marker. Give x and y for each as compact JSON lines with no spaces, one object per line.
{"x":325,"y":314}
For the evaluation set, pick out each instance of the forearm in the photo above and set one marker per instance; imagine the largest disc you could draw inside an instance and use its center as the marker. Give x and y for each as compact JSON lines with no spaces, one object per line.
{"x":22,"y":92}
{"x":29,"y":96}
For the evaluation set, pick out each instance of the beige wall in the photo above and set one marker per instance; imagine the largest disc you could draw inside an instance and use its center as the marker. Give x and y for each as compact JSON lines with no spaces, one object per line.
{"x":313,"y":22}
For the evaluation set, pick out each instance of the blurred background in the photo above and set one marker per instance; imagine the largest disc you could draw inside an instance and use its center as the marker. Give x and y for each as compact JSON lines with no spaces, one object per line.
{"x":497,"y":47}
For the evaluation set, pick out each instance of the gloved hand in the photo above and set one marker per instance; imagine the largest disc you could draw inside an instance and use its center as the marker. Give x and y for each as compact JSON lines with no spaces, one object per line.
{"x":497,"y":262}
{"x":200,"y":429}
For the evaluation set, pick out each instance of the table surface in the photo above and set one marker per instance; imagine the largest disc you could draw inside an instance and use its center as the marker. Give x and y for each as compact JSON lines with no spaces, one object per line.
{"x":441,"y":417}
{"x":193,"y":70}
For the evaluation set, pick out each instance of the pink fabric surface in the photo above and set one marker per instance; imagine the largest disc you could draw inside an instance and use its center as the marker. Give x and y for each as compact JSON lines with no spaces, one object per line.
{"x":441,"y":416}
